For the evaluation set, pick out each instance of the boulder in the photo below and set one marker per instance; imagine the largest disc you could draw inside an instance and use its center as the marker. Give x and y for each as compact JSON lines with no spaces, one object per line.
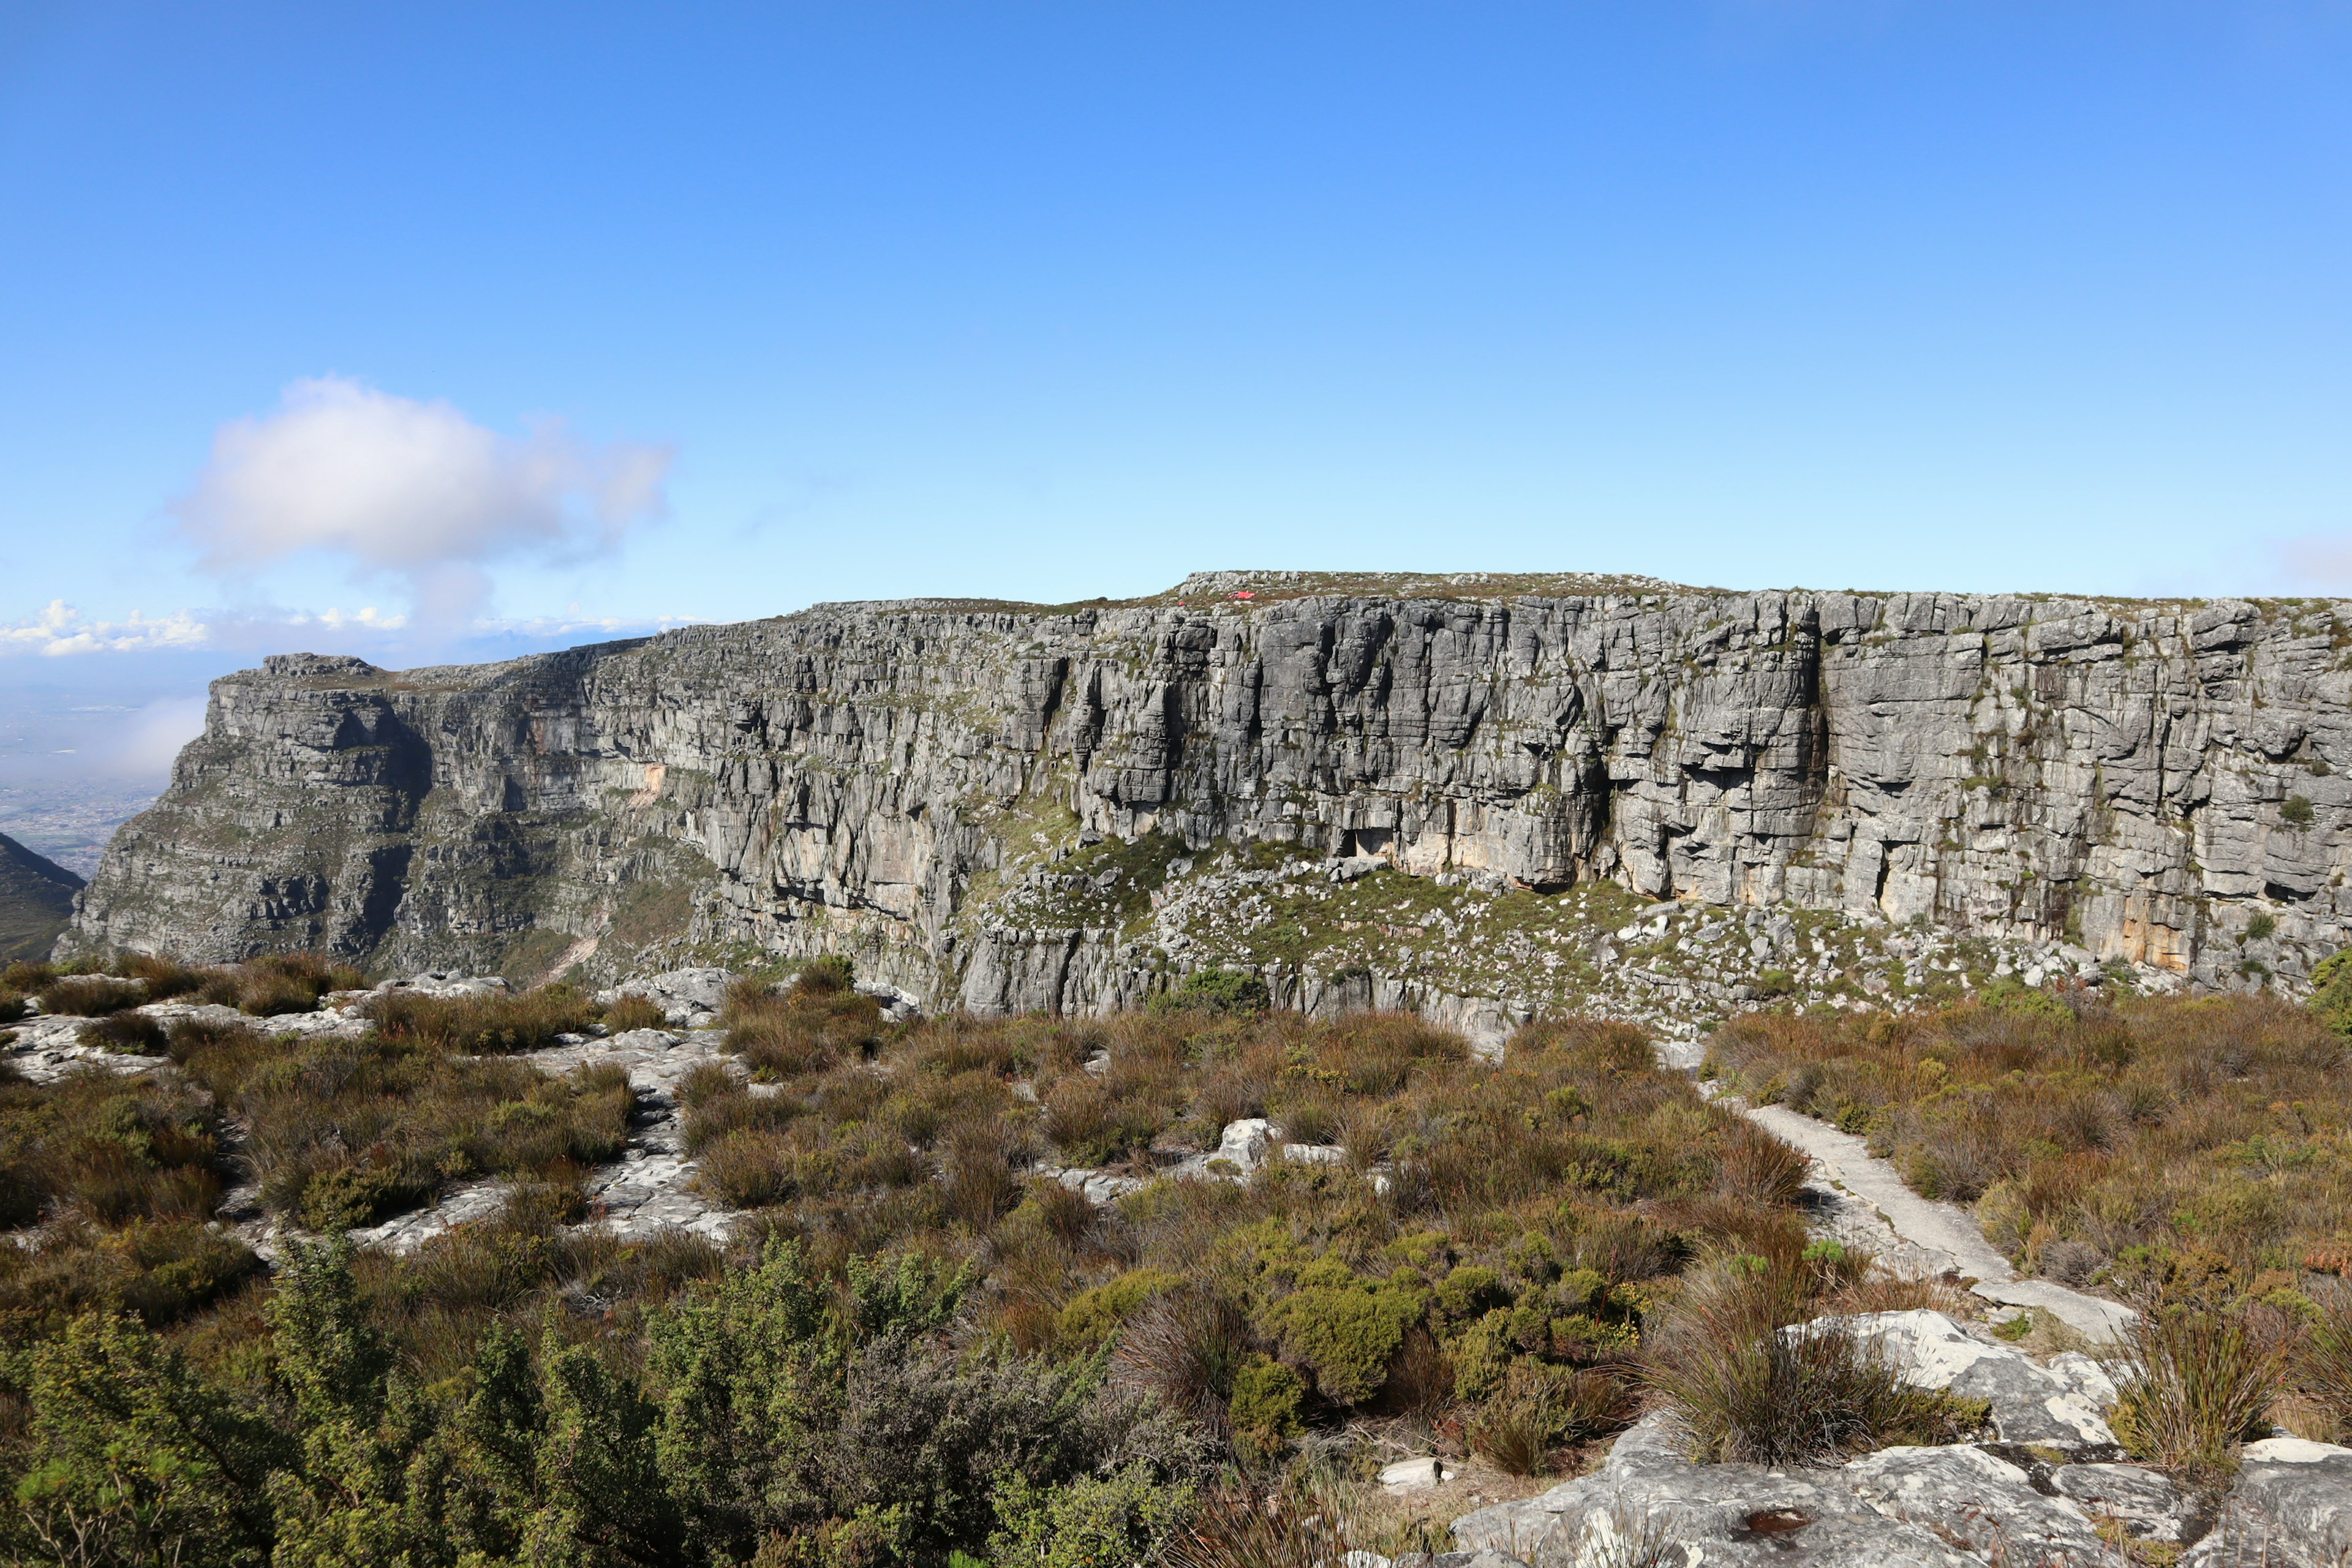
{"x":2145,"y":1501}
{"x":2056,"y":1406}
{"x":2292,"y":1509}
{"x":689,"y":998}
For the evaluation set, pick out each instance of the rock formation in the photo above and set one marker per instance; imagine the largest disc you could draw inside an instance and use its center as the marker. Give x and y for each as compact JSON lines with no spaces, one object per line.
{"x":37,"y":897}
{"x":997,"y":804}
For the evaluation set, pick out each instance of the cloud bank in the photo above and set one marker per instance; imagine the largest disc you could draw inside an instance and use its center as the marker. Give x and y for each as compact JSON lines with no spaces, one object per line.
{"x":415,"y":491}
{"x":61,"y":629}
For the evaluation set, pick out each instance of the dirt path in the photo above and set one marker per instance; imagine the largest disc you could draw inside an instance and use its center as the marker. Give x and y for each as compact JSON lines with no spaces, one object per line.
{"x":1942,"y":1234}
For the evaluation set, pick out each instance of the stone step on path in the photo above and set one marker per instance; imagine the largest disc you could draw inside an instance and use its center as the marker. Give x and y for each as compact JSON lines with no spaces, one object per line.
{"x":1942,"y":1236}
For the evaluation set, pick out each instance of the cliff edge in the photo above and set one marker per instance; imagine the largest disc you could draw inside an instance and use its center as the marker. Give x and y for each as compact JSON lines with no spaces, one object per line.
{"x":999,"y":805}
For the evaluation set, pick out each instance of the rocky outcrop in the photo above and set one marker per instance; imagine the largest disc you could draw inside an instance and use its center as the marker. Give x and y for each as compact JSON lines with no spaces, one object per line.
{"x":984,"y":802}
{"x":2049,"y":1485}
{"x":36,"y":898}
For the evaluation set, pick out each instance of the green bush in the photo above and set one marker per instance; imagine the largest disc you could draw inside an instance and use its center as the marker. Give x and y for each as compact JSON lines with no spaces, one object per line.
{"x":1091,"y":1316}
{"x":1268,"y":1403}
{"x":349,"y":1195}
{"x":2331,"y":992}
{"x":1346,"y":1334}
{"x":1229,"y":991}
{"x":1091,"y":1522}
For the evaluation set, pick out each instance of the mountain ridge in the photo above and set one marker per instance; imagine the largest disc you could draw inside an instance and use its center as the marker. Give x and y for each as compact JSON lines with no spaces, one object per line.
{"x":37,"y":902}
{"x":2147,"y":785}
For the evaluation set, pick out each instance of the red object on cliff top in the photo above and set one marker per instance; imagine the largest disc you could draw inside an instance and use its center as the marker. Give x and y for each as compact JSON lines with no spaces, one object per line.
{"x":1244,"y":594}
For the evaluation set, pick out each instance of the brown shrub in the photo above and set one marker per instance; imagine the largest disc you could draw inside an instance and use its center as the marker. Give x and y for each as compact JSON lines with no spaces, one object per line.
{"x":481,"y":1025}
{"x":131,"y":1033}
{"x":635,"y":1012}
{"x":1759,"y":1168}
{"x":91,"y":996}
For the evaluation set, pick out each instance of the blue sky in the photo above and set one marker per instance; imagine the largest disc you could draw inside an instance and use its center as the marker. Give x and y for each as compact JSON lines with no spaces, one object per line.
{"x":1051,"y":301}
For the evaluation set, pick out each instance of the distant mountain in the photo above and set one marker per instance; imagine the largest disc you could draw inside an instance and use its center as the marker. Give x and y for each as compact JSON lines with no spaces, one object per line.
{"x":36,"y":898}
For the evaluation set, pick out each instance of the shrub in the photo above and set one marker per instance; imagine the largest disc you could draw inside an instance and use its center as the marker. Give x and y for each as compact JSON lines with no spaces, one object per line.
{"x":635,"y":1012}
{"x":1092,"y":1317}
{"x":2331,"y":992}
{"x":91,"y":996}
{"x":2195,"y":1386}
{"x":1345,"y":1334}
{"x":1268,"y":1403}
{"x":162,"y":1269}
{"x":164,"y":978}
{"x":134,"y":1460}
{"x":2296,"y":811}
{"x":1541,"y":1407}
{"x":1759,"y":1168}
{"x":826,"y":977}
{"x":2324,"y":1359}
{"x":480,"y":1026}
{"x":279,"y":983}
{"x":349,"y":1195}
{"x":1092,"y":1521}
{"x":1746,"y":1387}
{"x":718,"y":1111}
{"x":1228,"y":991}
{"x":1303,"y":1528}
{"x":131,"y":1033}
{"x":979,"y":1166}
{"x":1187,"y":1348}
{"x":26,"y":975}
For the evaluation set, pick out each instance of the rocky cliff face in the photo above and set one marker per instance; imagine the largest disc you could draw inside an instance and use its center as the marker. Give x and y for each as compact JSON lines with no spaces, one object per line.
{"x":36,"y":898}
{"x":1004,"y":804}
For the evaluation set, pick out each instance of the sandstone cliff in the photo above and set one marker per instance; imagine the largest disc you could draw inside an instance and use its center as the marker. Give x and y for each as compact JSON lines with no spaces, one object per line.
{"x":1001,"y":804}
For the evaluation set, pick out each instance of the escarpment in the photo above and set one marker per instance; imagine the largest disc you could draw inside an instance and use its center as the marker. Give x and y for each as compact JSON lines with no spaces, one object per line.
{"x":999,"y":805}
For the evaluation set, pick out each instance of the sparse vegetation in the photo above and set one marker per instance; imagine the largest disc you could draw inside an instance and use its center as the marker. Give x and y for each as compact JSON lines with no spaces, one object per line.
{"x":969,"y":1357}
{"x":2096,"y":1145}
{"x":2197,"y":1154}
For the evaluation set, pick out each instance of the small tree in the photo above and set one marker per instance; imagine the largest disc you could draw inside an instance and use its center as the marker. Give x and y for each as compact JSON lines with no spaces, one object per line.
{"x":134,"y":1460}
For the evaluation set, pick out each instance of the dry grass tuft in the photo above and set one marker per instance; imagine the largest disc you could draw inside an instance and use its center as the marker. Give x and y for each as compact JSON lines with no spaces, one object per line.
{"x":2197,"y":1383}
{"x":1750,"y":1381}
{"x":635,"y":1012}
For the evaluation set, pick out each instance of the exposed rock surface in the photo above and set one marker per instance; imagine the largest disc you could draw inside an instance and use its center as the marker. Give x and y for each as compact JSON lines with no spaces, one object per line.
{"x":2292,"y":1509}
{"x":1937,"y":1508}
{"x":36,"y":898}
{"x":984,"y":802}
{"x":2050,"y":1490}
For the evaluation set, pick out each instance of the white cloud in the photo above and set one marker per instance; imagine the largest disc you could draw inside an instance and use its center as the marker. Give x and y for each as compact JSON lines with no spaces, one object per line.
{"x":152,"y":736}
{"x":61,"y":629}
{"x":414,"y":489}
